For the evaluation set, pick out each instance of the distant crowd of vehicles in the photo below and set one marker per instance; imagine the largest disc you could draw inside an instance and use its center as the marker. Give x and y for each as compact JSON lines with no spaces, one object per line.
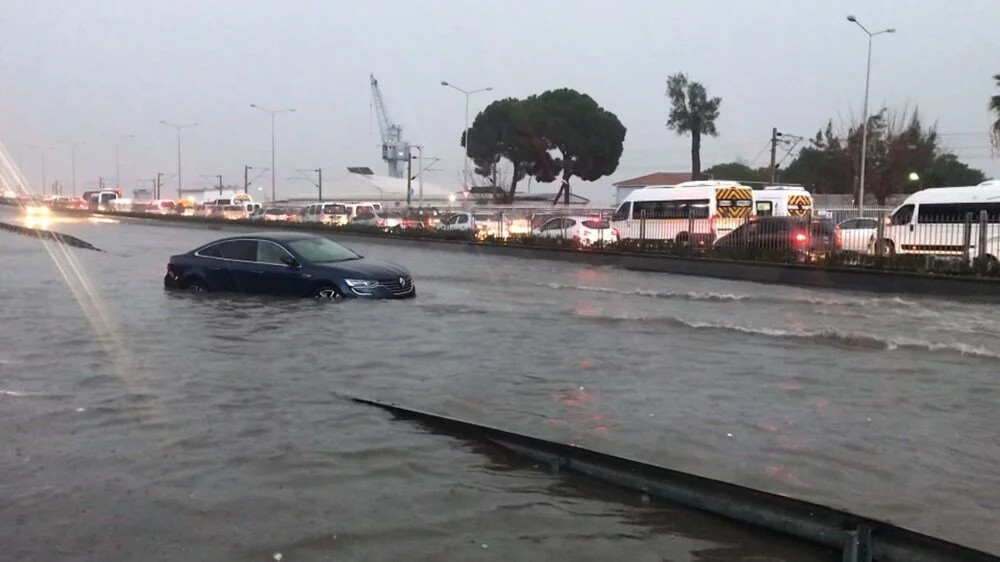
{"x":946,"y":222}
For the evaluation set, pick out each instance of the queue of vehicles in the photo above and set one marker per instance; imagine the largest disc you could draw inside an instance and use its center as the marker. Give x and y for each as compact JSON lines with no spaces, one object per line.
{"x":946,"y":222}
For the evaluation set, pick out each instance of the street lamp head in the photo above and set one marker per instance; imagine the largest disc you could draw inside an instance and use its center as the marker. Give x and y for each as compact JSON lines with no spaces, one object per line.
{"x":891,"y":30}
{"x":490,"y":89}
{"x":253,"y":105}
{"x":852,"y":19}
{"x":914,"y":176}
{"x":443,"y":83}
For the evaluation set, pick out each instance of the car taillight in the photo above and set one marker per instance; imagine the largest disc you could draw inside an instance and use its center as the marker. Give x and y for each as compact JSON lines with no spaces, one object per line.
{"x":711,"y":226}
{"x":801,"y":237}
{"x":616,"y":233}
{"x":380,"y":223}
{"x":837,"y":239}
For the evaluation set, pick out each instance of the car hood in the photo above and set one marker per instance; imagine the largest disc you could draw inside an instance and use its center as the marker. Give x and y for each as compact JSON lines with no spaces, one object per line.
{"x":367,"y":268}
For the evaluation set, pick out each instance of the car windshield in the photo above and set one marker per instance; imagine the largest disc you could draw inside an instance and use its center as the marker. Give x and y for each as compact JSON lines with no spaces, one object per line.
{"x":321,"y":250}
{"x":335,"y":210}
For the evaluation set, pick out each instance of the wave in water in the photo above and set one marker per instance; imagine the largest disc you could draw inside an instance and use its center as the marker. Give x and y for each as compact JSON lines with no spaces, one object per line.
{"x":727,"y":297}
{"x":852,"y":340}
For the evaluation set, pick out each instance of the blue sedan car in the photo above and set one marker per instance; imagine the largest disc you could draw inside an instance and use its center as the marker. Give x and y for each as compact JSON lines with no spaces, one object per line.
{"x":287,"y":263}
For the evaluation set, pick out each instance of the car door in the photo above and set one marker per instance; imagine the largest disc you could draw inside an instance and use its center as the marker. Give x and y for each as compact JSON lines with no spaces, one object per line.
{"x":239,"y":257}
{"x":214,"y":269}
{"x":272,"y":275}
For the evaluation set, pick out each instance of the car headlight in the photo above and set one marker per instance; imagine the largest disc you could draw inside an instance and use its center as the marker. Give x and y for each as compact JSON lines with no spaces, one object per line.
{"x":361,"y":284}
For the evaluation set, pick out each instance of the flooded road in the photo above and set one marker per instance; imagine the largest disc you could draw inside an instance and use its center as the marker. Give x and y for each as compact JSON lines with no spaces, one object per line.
{"x":151,"y":425}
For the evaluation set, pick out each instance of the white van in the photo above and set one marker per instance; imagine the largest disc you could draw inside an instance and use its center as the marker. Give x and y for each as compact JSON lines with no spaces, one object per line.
{"x":326,"y":213}
{"x":932,"y":221}
{"x":782,"y":201}
{"x":697,"y":211}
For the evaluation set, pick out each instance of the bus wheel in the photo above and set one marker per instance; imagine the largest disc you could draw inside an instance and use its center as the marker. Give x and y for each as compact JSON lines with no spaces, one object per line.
{"x":886,"y":248}
{"x":682,"y":239}
{"x":988,"y":265}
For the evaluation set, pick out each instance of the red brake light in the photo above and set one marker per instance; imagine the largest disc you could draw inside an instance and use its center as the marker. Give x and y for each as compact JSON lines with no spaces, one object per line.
{"x":801,"y":237}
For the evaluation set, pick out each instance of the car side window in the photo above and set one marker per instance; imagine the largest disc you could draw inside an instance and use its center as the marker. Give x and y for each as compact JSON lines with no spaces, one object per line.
{"x":623,"y":212}
{"x":462,"y":219}
{"x":269,"y":252}
{"x":211,"y":251}
{"x":849,"y":225}
{"x":240,"y":250}
{"x":569,"y":223}
{"x":903,"y":215}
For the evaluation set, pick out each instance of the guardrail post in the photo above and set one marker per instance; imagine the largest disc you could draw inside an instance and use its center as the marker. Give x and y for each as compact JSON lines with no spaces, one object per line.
{"x":642,"y":228}
{"x":880,"y":235}
{"x":967,"y":236}
{"x":690,"y":239}
{"x":983,"y":225}
{"x":858,"y":545}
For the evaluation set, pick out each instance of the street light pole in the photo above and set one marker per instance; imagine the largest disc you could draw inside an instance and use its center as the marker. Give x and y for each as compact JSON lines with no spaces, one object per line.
{"x":72,"y":161}
{"x":180,"y":184}
{"x":42,"y":150}
{"x":864,"y":111}
{"x":274,"y":172}
{"x":468,"y":93}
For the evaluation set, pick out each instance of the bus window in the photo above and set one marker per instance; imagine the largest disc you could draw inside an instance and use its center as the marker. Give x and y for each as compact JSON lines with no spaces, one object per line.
{"x":902,"y":216}
{"x":623,"y":212}
{"x":765,"y":208}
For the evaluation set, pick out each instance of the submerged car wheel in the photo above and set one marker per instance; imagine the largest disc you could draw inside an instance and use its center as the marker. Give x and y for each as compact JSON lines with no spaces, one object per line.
{"x":327,"y":293}
{"x":197,"y":286}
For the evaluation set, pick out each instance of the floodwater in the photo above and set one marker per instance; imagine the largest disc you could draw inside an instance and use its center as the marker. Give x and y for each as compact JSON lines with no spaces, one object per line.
{"x":142,"y":424}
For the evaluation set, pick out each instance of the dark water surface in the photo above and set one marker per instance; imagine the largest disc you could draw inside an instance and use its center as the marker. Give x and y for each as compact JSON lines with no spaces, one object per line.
{"x":141,"y":424}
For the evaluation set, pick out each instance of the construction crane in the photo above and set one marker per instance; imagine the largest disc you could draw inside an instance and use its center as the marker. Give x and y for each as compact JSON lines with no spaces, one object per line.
{"x":395,"y":151}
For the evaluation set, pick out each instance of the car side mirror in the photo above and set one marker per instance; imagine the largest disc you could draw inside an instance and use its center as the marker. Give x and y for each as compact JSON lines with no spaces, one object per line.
{"x":291,"y":262}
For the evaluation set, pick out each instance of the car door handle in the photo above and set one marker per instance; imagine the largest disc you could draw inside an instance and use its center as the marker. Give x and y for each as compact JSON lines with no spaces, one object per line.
{"x":257,"y":271}
{"x":214,"y":268}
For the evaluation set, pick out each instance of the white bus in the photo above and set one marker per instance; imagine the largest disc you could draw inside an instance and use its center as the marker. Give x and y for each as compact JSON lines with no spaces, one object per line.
{"x":932,"y":221}
{"x":782,"y":201}
{"x":698,"y":212}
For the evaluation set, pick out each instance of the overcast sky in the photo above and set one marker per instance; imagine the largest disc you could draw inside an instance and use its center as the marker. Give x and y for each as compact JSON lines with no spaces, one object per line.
{"x":75,"y":70}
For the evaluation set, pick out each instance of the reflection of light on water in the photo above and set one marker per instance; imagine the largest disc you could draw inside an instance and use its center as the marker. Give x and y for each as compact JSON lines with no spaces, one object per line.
{"x":104,"y":220}
{"x":37,"y":221}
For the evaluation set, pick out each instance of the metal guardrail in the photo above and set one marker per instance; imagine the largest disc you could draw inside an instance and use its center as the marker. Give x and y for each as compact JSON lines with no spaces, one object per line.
{"x":858,"y":538}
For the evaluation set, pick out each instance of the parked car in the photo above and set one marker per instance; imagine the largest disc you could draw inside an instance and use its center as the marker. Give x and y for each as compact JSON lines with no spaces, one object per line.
{"x":287,"y":263}
{"x":584,"y":230}
{"x":386,"y":220}
{"x":278,"y":214}
{"x":807,"y":237}
{"x":858,"y":235}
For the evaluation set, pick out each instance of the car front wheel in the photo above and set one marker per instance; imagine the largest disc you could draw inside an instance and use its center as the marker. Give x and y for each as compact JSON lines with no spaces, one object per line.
{"x":327,"y":292}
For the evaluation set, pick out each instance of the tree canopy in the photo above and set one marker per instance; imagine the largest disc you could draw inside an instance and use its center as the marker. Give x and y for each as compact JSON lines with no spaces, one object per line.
{"x":736,"y":171}
{"x":557,"y":133}
{"x":898,"y":145}
{"x":692,"y":112}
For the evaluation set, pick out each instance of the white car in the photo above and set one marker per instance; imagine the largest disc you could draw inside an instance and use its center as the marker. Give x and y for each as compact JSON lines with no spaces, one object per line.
{"x":858,"y":235}
{"x":386,"y":220}
{"x":586,"y":230}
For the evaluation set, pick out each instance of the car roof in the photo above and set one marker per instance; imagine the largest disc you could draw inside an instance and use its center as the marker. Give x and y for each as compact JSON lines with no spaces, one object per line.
{"x":272,"y":236}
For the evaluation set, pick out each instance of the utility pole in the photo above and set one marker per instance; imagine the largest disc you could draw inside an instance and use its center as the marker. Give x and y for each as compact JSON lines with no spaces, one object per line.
{"x":180,"y":184}
{"x":246,"y":178}
{"x":409,"y":180}
{"x":220,"y":185}
{"x":159,"y":183}
{"x":319,"y":185}
{"x":420,"y":174}
{"x":774,"y":151}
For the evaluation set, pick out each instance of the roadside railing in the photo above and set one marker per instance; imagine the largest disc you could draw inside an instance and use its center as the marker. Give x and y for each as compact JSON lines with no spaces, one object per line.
{"x":964,"y":243}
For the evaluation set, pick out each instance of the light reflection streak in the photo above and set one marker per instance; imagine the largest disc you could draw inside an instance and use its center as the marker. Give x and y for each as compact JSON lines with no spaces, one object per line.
{"x":73,"y":275}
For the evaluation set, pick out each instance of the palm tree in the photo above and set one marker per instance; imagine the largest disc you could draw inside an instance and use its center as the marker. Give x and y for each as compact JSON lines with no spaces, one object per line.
{"x":995,"y":108}
{"x":692,"y":112}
